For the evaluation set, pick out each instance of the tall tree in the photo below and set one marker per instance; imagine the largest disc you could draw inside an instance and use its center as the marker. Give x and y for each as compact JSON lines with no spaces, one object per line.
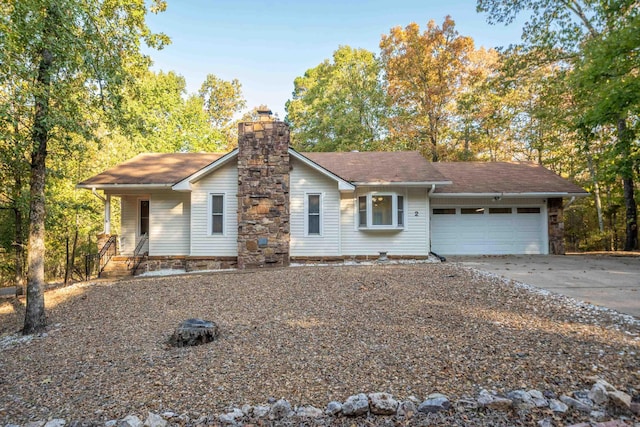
{"x":424,"y":72}
{"x":222,"y":101}
{"x":577,"y":34}
{"x":606,"y":82}
{"x":340,"y":105}
{"x":69,"y":55}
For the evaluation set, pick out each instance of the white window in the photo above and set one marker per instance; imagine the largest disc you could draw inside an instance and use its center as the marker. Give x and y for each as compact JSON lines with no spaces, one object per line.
{"x":381,"y":211}
{"x":314,"y":214}
{"x":216,"y":214}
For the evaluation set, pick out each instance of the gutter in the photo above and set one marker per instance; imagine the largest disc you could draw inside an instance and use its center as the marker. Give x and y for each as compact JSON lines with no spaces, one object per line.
{"x":569,"y":203}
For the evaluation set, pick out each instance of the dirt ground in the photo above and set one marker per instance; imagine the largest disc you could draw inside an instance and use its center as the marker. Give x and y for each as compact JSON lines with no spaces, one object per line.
{"x":308,"y":334}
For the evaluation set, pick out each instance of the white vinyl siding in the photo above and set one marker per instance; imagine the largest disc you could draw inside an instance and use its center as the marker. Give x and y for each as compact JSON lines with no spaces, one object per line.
{"x":169,"y":225}
{"x":488,"y":227}
{"x":128,"y":224}
{"x":303,"y":182}
{"x":203,"y":243}
{"x":412,"y":239}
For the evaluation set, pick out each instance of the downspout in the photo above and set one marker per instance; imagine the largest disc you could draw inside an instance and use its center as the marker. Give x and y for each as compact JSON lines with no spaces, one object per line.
{"x":441,"y":258}
{"x":569,"y":203}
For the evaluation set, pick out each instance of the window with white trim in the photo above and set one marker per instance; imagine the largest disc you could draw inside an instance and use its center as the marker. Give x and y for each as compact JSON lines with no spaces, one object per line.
{"x":314,"y":214}
{"x":216,"y":204}
{"x":381,"y":211}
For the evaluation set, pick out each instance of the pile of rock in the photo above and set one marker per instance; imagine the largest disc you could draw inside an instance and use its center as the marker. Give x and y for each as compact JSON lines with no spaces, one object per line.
{"x":603,"y":405}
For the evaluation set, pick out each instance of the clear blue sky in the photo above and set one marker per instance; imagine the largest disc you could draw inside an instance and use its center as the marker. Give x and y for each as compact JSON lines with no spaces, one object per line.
{"x":267,"y":44}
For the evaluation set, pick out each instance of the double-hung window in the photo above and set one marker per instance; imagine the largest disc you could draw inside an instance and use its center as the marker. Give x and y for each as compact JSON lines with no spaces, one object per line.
{"x":381,"y":211}
{"x":216,"y":204}
{"x":314,"y":214}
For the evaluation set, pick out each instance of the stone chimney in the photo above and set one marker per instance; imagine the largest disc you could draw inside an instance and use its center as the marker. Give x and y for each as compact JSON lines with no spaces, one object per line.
{"x":263,"y":193}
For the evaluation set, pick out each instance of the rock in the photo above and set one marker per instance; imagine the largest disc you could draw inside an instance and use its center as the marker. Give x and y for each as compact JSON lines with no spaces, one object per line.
{"x":382,"y":404}
{"x":261,"y":411}
{"x":466,"y":403}
{"x":280,"y":410}
{"x":557,"y":406}
{"x":194,"y":332}
{"x":490,"y":401}
{"x":575,"y":403}
{"x":603,"y":383}
{"x":500,"y":404}
{"x":619,"y":399}
{"x":635,"y":408}
{"x":247,"y":410}
{"x":130,"y":421}
{"x":597,"y":415}
{"x":356,"y":405}
{"x":545,"y":423}
{"x":309,"y":412}
{"x":57,"y":422}
{"x":598,"y":394}
{"x":434,"y":403}
{"x":538,"y":399}
{"x":169,"y":414}
{"x":406,"y":409}
{"x":35,"y":424}
{"x":415,"y":400}
{"x":333,"y":408}
{"x":521,"y":399}
{"x":231,"y":417}
{"x":111,"y":423}
{"x":155,"y":420}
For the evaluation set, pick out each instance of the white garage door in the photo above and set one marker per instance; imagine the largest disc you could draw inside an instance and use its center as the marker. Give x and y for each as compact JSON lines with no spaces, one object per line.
{"x":482,"y":230}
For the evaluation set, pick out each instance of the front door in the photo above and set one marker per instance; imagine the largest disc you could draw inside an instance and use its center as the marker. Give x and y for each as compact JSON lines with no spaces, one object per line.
{"x":142,"y":241}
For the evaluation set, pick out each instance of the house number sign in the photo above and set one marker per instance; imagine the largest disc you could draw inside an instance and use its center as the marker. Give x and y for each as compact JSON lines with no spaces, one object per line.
{"x":416,"y":214}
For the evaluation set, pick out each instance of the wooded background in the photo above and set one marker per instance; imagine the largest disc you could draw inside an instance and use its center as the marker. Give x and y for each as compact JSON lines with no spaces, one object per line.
{"x":77,"y":96}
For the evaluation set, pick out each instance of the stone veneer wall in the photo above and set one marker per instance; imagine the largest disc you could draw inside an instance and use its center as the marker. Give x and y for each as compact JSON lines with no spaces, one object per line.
{"x":556,"y":226}
{"x":263,"y":194}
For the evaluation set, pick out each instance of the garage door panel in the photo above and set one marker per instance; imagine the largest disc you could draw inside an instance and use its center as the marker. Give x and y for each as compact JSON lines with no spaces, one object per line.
{"x":488,"y":233}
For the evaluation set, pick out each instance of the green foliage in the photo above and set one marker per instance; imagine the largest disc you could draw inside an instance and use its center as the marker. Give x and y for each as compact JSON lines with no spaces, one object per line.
{"x":339,"y":105}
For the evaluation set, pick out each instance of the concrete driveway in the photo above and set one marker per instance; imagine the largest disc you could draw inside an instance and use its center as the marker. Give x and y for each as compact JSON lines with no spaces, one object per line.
{"x":605,"y":280}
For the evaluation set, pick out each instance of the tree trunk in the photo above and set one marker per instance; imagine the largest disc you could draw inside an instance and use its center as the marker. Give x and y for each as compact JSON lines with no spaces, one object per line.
{"x":19,"y":254}
{"x":596,"y":191}
{"x":34,"y":318}
{"x":625,"y":138}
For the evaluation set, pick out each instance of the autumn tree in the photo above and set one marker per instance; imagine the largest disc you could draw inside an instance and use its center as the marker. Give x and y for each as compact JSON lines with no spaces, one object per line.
{"x":66,"y":57}
{"x":574,"y":34}
{"x":222,"y":101}
{"x":340,"y":105}
{"x":424,"y":72}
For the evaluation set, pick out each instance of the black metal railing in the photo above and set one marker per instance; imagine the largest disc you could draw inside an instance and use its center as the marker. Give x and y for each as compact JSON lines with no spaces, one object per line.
{"x":136,"y":259}
{"x":94,"y":264}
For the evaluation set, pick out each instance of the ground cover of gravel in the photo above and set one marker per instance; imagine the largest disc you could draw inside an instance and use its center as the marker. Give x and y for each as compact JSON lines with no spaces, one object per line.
{"x":308,"y":334}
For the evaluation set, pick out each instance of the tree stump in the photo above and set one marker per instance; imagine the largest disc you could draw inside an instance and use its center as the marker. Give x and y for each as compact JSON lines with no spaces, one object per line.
{"x":194,"y":332}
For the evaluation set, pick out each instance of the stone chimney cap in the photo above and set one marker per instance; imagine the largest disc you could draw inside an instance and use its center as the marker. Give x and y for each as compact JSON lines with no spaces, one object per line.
{"x":264,"y":114}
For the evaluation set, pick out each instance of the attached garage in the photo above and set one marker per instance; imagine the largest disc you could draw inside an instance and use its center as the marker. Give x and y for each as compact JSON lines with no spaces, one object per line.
{"x":487,"y":229}
{"x":499,"y":208}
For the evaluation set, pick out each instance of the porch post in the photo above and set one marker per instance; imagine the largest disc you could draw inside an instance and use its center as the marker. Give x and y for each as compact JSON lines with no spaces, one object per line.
{"x":107,"y":215}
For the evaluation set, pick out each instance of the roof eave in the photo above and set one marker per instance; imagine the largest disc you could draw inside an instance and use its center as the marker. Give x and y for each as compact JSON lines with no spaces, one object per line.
{"x":402,"y":183}
{"x":511,"y":195}
{"x":150,"y":186}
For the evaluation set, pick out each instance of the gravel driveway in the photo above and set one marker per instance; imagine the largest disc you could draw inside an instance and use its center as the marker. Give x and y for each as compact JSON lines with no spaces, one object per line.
{"x":310,"y":334}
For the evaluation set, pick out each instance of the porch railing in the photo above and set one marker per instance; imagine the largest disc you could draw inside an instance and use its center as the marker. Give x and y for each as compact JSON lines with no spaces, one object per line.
{"x":136,"y":259}
{"x":97,"y":262}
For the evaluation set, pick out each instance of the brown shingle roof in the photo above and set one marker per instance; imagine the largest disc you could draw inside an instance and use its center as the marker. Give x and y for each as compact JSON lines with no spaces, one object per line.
{"x":376,"y":166}
{"x":165,"y":168}
{"x":502,"y":177}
